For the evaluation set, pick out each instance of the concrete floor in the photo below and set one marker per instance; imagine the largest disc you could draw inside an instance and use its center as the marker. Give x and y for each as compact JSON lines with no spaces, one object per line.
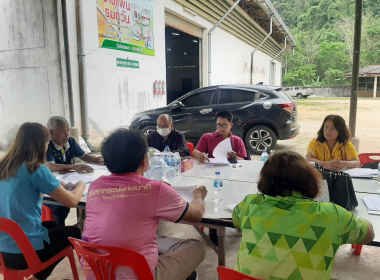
{"x":347,"y":265}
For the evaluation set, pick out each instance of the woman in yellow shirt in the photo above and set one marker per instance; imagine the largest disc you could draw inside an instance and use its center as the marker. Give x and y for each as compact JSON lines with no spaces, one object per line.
{"x":332,"y":147}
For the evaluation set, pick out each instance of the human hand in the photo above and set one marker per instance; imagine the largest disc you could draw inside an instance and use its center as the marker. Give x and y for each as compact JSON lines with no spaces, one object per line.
{"x":101,"y":160}
{"x":203,"y":158}
{"x":83,"y":168}
{"x":232,"y":156}
{"x":202,"y":191}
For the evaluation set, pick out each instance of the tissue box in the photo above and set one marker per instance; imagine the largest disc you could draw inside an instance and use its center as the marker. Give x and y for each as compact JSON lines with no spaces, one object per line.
{"x":186,"y":165}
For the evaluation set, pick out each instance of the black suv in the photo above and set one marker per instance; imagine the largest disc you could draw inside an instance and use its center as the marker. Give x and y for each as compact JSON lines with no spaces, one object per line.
{"x":262,"y":114}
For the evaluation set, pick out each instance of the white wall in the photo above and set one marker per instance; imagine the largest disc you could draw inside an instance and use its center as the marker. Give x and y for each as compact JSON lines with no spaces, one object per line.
{"x":31,"y":74}
{"x":30,"y":69}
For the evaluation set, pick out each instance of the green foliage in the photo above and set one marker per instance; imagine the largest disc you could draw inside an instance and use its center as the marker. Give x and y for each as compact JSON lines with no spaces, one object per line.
{"x":324,"y":33}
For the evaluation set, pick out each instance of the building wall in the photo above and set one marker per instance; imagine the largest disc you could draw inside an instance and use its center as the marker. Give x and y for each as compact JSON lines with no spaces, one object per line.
{"x":31,"y":87}
{"x":34,"y":83}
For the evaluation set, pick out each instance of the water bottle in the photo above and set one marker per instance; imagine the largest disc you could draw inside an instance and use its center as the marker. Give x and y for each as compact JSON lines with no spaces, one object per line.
{"x":264,"y":157}
{"x":378,"y":179}
{"x":218,"y":186}
{"x":166,"y":154}
{"x":178,"y":163}
{"x":172,"y":162}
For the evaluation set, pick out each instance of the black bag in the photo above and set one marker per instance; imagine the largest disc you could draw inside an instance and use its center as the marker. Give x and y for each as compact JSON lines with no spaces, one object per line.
{"x":341,"y":189}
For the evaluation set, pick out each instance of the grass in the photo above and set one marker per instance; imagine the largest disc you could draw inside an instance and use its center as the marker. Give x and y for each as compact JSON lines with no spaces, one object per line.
{"x":335,"y":109}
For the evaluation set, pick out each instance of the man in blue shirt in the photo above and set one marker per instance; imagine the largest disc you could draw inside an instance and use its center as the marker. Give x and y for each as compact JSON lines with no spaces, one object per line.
{"x":61,"y":155}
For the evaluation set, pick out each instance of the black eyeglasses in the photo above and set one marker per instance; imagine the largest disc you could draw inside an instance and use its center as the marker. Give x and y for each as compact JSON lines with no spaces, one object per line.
{"x":224,"y":125}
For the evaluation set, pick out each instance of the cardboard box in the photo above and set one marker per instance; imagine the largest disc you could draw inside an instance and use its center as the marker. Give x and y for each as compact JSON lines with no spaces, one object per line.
{"x":187,"y":164}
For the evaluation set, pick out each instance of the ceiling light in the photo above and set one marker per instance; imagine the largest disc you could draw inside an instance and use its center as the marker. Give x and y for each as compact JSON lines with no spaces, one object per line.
{"x":175,"y":34}
{"x":169,"y":50}
{"x":195,"y":41}
{"x":184,"y":53}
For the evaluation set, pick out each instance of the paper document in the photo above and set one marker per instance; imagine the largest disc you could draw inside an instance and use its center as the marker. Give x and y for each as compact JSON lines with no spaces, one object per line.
{"x":373,"y":203}
{"x":73,"y":178}
{"x":231,"y":206}
{"x":214,"y":161}
{"x":220,"y":152}
{"x":97,"y":166}
{"x":362,"y":172}
{"x":186,"y":192}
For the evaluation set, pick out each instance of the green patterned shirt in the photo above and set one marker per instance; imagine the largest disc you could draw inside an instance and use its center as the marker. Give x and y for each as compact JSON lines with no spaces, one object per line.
{"x":293,"y":238}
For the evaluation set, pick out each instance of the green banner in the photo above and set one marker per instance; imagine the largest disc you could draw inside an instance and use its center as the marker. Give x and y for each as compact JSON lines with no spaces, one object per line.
{"x":126,"y":47}
{"x":120,"y":62}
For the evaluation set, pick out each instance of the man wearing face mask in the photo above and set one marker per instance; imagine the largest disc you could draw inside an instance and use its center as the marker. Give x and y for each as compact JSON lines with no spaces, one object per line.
{"x":166,"y":135}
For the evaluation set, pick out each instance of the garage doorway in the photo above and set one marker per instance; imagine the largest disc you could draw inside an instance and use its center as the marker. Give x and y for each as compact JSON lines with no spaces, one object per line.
{"x":183,"y":57}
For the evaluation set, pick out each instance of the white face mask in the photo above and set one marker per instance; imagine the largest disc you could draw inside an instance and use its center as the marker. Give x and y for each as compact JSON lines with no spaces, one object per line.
{"x":163,"y":131}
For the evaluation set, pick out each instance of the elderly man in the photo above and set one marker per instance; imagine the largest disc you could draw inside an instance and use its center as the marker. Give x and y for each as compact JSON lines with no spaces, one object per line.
{"x":166,"y":135}
{"x":60,"y":157}
{"x":209,"y":141}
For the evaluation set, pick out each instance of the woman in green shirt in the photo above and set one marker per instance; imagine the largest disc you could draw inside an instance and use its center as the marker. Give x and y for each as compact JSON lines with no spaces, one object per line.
{"x":285,"y":233}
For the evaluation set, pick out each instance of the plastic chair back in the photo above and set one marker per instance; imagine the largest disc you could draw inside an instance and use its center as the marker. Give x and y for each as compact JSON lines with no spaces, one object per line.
{"x":367,"y":158}
{"x":112,"y":257}
{"x":34,"y":263}
{"x":47,"y":214}
{"x":191,"y":147}
{"x":230,"y":274}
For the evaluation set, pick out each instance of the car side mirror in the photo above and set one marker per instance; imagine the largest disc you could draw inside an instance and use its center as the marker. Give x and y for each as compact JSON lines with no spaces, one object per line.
{"x":176,"y":105}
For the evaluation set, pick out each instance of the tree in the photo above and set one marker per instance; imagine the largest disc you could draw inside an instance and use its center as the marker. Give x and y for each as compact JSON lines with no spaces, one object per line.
{"x":332,"y":55}
{"x":334,"y":77}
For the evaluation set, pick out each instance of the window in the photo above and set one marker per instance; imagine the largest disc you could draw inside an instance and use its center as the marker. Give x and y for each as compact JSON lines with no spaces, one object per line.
{"x":228,"y":96}
{"x":202,"y":98}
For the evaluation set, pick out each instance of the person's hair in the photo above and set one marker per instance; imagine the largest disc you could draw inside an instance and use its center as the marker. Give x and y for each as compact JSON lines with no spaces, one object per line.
{"x":28,"y":147}
{"x":169,"y":117}
{"x":287,"y":172}
{"x":343,"y":134}
{"x":225,"y":114}
{"x":55,"y":121}
{"x":124,"y":150}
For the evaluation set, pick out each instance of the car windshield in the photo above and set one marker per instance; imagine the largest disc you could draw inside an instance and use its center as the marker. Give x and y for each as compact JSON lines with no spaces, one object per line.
{"x":283,"y":94}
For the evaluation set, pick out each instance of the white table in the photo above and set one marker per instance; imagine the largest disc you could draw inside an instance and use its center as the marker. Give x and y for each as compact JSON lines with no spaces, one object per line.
{"x":238,"y":183}
{"x":365,"y":185}
{"x":248,"y":172}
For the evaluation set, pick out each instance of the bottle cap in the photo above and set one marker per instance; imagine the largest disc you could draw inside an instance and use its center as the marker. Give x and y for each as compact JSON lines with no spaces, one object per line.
{"x":166,"y":147}
{"x":217,"y":173}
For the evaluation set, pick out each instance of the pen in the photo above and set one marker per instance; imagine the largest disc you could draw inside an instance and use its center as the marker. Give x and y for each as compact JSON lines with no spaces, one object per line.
{"x":323,"y":198}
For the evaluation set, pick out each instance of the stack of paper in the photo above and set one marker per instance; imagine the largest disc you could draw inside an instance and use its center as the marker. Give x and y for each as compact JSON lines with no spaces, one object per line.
{"x":362,"y":172}
{"x":71,"y":179}
{"x":220,"y":153}
{"x":373,"y":205}
{"x":186,"y":192}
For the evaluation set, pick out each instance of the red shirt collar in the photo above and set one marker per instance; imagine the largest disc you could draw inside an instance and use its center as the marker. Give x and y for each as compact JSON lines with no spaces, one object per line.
{"x":126,"y":174}
{"x":216,"y":134}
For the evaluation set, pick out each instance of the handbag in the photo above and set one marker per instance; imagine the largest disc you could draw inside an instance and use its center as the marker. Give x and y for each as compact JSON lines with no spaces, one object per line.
{"x":341,"y":189}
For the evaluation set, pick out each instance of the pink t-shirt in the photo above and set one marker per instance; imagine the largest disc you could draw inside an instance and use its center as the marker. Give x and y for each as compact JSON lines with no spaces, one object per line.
{"x":209,"y":141}
{"x":124,"y":211}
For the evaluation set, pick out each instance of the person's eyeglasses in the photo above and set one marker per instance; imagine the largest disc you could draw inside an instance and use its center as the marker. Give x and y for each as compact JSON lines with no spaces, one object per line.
{"x":163,"y":127}
{"x":224,"y":125}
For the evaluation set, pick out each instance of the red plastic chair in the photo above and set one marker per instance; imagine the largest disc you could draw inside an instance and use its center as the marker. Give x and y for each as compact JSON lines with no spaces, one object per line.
{"x":366,"y":157}
{"x":34,"y":263}
{"x":230,"y":274}
{"x":47,"y":214}
{"x":191,"y":147}
{"x":111,"y":259}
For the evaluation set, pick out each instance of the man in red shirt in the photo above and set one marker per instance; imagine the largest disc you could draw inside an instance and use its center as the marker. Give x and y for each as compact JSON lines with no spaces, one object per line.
{"x":209,"y":141}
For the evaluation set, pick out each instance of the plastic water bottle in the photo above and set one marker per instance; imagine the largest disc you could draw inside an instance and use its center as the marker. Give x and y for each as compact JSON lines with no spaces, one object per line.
{"x":178,"y":163}
{"x":218,"y":187}
{"x":166,"y":154}
{"x":172,"y":162}
{"x":264,"y":157}
{"x":378,"y":179}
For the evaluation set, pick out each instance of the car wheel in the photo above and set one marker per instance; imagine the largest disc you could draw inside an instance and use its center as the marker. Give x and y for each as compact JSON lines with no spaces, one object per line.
{"x":299,"y":95}
{"x":304,"y":97}
{"x":260,"y":138}
{"x":147,"y":128}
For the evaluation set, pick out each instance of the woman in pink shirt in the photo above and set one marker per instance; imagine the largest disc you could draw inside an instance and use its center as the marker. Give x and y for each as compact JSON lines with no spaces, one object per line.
{"x":124,"y":209}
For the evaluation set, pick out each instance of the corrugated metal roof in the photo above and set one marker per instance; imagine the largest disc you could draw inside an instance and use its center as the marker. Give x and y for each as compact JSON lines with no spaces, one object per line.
{"x":372,"y":70}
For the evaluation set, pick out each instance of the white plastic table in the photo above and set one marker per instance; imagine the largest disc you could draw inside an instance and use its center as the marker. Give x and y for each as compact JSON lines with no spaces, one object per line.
{"x":245,"y":171}
{"x":238,"y":183}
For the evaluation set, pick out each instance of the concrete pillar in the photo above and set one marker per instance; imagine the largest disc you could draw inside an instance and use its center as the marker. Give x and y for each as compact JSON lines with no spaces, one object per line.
{"x":375,"y":87}
{"x":355,"y":142}
{"x":74,"y":133}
